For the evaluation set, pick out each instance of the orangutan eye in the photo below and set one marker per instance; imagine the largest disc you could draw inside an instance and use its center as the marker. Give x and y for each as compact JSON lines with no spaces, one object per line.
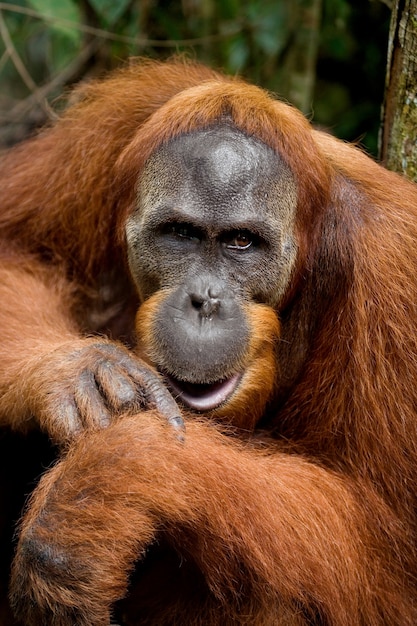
{"x":240,"y":240}
{"x":183,"y":231}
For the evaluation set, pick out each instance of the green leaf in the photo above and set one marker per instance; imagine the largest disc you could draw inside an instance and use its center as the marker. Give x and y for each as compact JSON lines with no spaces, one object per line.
{"x":60,"y":53}
{"x":66,"y":10}
{"x":109,"y":10}
{"x":238,"y":54}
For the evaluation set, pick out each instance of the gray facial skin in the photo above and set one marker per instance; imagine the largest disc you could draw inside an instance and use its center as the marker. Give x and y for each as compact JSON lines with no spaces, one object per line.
{"x":214,"y":225}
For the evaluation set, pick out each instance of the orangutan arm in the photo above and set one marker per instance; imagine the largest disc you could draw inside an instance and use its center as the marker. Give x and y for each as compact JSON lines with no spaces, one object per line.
{"x":268,"y":524}
{"x":51,"y":373}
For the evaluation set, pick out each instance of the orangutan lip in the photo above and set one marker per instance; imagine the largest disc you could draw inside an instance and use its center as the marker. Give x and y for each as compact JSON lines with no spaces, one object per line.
{"x":203,"y":397}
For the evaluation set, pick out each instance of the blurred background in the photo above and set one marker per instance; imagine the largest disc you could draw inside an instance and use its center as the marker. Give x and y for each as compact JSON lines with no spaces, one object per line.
{"x":328,"y":57}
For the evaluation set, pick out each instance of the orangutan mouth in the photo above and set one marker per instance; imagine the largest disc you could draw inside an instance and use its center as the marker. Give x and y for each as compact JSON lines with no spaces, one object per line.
{"x":203,"y":397}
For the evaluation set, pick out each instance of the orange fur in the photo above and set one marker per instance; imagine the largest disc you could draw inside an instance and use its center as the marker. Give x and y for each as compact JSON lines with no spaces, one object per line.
{"x":305,"y":511}
{"x":246,"y":407}
{"x":273,"y":534}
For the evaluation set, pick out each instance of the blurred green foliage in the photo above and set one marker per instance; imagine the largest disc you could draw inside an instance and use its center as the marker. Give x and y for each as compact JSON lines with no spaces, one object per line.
{"x":351,"y":69}
{"x":59,"y":42}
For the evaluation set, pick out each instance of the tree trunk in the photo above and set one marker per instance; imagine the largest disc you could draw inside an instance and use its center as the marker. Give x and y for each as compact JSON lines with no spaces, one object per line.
{"x":398,"y":143}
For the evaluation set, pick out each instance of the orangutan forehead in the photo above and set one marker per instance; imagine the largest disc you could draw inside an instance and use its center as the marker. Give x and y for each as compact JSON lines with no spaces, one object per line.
{"x":223,"y":149}
{"x":223,"y":160}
